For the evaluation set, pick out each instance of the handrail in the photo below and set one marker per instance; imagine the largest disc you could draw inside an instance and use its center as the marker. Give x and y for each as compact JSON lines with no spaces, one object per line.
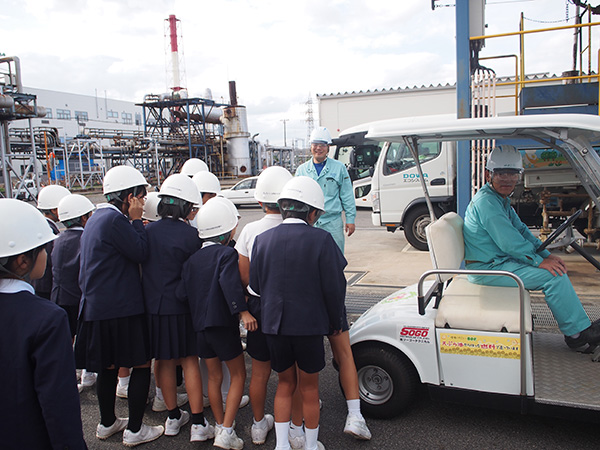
{"x":522,"y":327}
{"x":520,"y":79}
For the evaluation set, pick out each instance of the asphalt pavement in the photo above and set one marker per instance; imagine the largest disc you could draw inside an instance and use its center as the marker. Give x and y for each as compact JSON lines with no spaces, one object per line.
{"x":380,"y":262}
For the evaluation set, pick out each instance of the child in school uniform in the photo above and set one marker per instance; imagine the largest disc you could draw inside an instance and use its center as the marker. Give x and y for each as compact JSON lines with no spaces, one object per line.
{"x":268,"y":188}
{"x":298,"y":271}
{"x":38,"y":385}
{"x":74,"y":210}
{"x":48,"y":200}
{"x":113,"y":330}
{"x":173,"y":338}
{"x":212,"y":286}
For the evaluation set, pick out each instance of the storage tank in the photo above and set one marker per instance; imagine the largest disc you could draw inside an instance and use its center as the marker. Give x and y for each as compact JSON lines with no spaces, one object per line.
{"x":236,"y":133}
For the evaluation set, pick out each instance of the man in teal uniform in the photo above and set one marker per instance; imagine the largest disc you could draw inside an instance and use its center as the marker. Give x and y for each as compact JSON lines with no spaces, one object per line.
{"x":334,"y":180}
{"x":496,"y":239}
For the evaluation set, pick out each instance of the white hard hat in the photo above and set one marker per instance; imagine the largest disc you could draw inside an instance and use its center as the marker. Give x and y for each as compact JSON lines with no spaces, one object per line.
{"x":192,"y":166}
{"x":119,"y":178}
{"x":320,"y":135}
{"x":229,"y":204}
{"x":207,"y":182}
{"x":74,"y":206}
{"x":50,"y":196}
{"x":180,"y":186}
{"x":215,"y":218}
{"x":151,"y":207}
{"x":270,"y":183}
{"x":305,"y":190}
{"x":22,"y":228}
{"x":504,"y":157}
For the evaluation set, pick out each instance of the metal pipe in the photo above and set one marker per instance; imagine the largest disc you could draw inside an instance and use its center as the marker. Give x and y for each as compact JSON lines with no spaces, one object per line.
{"x":413,"y":147}
{"x":17,"y":62}
{"x":539,"y":30}
{"x":3,"y":151}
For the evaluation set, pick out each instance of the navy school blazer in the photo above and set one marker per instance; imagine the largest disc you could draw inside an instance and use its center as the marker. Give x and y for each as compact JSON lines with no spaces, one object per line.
{"x":170,"y":243}
{"x":112,"y":248}
{"x":211,"y":283}
{"x":38,"y":383}
{"x":298,"y":271}
{"x":65,"y":268}
{"x":44,"y":284}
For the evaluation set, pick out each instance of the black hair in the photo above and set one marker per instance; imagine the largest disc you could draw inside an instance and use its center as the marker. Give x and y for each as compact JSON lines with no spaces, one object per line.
{"x":76,"y":222}
{"x":173,"y":207}
{"x":294,"y":208}
{"x":271,"y":206}
{"x":6,"y":262}
{"x":221,"y":239}
{"x":120,"y":196}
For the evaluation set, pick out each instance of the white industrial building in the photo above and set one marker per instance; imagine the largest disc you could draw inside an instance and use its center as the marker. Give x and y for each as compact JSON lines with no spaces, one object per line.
{"x":341,"y":111}
{"x":71,"y":113}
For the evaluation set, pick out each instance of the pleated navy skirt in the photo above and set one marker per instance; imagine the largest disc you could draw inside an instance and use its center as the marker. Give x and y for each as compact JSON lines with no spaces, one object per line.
{"x":120,"y":342}
{"x":172,"y":336}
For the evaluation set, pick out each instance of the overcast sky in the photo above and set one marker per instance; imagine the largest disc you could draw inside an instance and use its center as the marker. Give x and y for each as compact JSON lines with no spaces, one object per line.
{"x":279,"y":52}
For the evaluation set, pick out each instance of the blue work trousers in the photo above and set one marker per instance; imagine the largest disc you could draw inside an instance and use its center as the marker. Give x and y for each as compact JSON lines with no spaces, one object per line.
{"x":336,"y":229}
{"x":558,"y":290}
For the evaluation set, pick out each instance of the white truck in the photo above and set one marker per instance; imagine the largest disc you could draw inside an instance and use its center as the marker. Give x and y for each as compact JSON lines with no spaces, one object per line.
{"x":385,"y":178}
{"x":472,"y":343}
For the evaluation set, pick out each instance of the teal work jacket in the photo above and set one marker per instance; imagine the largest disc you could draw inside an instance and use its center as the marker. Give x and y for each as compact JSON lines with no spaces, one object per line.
{"x":337,"y":188}
{"x":494,"y":233}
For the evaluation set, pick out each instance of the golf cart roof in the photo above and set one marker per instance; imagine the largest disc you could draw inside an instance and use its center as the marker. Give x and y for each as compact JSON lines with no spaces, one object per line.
{"x":571,"y":134}
{"x":449,"y":128}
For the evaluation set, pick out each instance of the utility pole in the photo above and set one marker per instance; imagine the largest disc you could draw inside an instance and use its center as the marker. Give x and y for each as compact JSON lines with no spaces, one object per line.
{"x":284,"y":132}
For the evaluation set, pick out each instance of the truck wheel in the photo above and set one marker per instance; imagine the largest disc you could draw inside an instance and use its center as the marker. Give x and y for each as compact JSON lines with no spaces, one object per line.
{"x":414,"y":226}
{"x":387,"y":381}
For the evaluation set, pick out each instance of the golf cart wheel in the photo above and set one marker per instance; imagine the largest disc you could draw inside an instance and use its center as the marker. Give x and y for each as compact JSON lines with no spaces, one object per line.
{"x":387,"y":380}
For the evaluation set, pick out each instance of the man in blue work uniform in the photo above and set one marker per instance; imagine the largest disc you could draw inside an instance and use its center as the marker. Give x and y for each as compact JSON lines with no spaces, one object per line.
{"x":496,"y":239}
{"x":334,"y":180}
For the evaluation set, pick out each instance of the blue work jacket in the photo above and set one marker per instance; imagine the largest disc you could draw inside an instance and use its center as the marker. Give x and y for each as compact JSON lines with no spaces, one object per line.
{"x":494,"y":233}
{"x":337,"y":189}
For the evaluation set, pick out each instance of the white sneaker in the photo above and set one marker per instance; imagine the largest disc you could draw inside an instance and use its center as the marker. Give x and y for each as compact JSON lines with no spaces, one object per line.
{"x":146,"y":434}
{"x":122,"y":390}
{"x":297,"y":442}
{"x":260,"y":430}
{"x":87,"y":379}
{"x":103,"y":432}
{"x":243,"y":402}
{"x":225,"y":440}
{"x":357,"y":427}
{"x":159,"y":404}
{"x":172,"y":426}
{"x":201,"y":433}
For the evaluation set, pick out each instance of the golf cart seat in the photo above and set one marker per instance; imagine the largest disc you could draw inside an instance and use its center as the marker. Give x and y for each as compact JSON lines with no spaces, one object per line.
{"x":465,"y":305}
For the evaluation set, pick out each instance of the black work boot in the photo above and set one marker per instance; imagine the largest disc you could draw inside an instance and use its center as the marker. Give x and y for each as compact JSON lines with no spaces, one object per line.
{"x":591,"y":336}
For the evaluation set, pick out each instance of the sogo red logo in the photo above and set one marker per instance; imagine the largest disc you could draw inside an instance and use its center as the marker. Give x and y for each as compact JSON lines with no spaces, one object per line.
{"x":414,"y":332}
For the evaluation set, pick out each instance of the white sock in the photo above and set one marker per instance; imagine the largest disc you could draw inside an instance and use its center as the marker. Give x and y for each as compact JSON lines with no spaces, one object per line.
{"x":260,"y":422}
{"x":124,"y":381}
{"x":281,"y":435}
{"x":354,"y":407}
{"x":229,"y":430}
{"x":159,"y":393}
{"x":312,"y":435}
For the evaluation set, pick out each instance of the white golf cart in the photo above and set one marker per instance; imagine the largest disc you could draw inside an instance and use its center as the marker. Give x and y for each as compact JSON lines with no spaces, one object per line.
{"x":472,"y":343}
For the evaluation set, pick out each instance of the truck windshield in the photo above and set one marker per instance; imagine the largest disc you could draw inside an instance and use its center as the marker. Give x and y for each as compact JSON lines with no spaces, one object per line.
{"x":399,"y":158}
{"x":363,"y":159}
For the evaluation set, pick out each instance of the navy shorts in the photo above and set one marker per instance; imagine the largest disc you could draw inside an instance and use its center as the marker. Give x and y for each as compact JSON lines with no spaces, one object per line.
{"x":219,"y":342}
{"x":306,"y":351}
{"x":256,"y":345}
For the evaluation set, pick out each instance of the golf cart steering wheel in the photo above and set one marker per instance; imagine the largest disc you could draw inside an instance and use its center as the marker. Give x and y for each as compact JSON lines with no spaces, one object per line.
{"x":562,"y":227}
